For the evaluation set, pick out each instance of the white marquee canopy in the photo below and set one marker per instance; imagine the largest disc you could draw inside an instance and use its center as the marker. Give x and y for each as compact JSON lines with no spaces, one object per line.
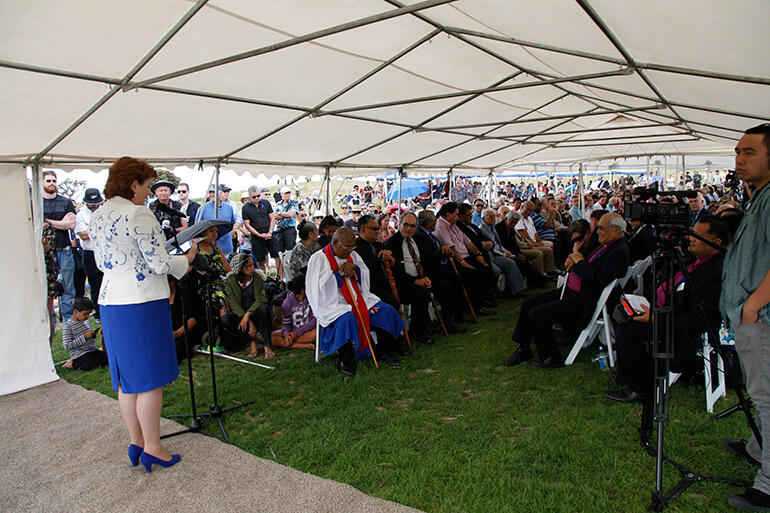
{"x":305,"y":86}
{"x":373,"y":84}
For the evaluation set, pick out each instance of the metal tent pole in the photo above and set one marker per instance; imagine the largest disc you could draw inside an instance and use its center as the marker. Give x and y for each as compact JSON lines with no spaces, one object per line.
{"x":216,"y":190}
{"x":327,"y":179}
{"x":400,"y":177}
{"x":580,"y":187}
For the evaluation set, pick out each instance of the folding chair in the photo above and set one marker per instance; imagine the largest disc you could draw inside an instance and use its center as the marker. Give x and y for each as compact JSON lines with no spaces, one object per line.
{"x":285,"y":257}
{"x":600,"y":324}
{"x":713,"y":394}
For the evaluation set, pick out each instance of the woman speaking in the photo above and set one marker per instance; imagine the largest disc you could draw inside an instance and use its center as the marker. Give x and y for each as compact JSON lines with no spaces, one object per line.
{"x":129,"y":247}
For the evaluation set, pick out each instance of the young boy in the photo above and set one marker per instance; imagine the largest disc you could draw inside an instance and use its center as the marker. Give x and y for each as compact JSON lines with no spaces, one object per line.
{"x":78,"y":339}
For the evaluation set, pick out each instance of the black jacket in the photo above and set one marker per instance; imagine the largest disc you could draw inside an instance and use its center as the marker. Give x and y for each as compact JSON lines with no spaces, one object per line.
{"x":476,"y":236}
{"x":612,"y":263}
{"x":434,"y":263}
{"x":378,"y":280}
{"x":507,"y":238}
{"x":642,"y":243}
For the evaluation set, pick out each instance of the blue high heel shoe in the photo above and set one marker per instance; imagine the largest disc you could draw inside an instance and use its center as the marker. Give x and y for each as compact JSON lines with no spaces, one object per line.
{"x":134,"y":452}
{"x":148,"y":460}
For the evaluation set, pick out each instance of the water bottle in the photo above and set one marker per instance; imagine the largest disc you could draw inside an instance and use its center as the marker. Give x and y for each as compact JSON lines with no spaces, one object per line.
{"x":601,"y":359}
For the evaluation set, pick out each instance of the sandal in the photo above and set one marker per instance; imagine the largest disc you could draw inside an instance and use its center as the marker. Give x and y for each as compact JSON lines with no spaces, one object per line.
{"x":269,"y":353}
{"x":254,"y":354}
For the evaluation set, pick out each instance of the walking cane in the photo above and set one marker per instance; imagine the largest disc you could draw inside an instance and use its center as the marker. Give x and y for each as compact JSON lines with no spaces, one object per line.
{"x":465,"y":291}
{"x":361,"y":320}
{"x":394,"y":290}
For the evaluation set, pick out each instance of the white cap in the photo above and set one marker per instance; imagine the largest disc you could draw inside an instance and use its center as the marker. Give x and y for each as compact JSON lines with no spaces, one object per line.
{"x":285,"y":189}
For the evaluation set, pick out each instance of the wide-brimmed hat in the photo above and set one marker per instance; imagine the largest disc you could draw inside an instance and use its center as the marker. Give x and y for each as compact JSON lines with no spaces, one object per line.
{"x":163,"y":183}
{"x":92,"y":196}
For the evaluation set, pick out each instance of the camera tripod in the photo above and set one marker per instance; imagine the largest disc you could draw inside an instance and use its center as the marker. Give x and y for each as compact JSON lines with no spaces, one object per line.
{"x":656,"y":408}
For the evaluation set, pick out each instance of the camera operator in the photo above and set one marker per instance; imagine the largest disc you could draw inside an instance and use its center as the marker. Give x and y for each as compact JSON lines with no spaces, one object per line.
{"x":634,"y":361}
{"x":745,"y":297}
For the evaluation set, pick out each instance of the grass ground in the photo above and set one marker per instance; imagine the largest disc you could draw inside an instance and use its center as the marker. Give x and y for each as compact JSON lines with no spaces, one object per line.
{"x":452,"y":431}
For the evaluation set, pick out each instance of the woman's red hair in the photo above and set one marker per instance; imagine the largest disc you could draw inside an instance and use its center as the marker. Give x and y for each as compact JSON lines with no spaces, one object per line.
{"x":123,"y":173}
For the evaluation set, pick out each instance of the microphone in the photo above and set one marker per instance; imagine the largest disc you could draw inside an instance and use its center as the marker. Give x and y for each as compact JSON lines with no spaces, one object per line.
{"x":166,"y":224}
{"x":168,"y":210}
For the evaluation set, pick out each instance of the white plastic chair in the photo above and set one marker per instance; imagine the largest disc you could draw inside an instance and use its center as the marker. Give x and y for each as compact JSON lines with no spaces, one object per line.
{"x":600,"y":324}
{"x":285,"y":257}
{"x":713,"y":393}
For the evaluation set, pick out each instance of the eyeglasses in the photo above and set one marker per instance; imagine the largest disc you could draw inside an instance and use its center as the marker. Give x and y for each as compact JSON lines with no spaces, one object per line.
{"x":50,"y":181}
{"x":409,"y":225}
{"x":373,"y":228}
{"x":255,"y":197}
{"x":181,"y":191}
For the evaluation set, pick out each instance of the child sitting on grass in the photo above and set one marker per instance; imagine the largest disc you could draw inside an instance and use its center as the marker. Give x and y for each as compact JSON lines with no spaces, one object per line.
{"x":298,"y":329}
{"x":78,"y":338}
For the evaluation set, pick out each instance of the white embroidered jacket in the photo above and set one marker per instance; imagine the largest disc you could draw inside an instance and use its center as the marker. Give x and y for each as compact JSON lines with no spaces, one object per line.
{"x":129,"y":247}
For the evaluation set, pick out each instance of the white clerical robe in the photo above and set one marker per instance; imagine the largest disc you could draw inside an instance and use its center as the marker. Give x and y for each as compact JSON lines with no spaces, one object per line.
{"x":322,"y":290}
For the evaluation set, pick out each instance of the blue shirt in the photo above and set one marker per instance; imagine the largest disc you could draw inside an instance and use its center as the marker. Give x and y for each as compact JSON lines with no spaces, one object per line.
{"x":225,"y":242}
{"x":476,"y":218}
{"x":539,"y":222}
{"x":285,"y":206}
{"x":748,"y":260}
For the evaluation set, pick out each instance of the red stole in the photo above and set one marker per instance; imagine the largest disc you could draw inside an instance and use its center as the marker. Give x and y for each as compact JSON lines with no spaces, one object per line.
{"x":360,"y":311}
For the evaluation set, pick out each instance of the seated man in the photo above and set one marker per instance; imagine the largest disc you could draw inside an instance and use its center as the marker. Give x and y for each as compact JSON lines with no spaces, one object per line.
{"x":499,"y":262}
{"x":532,"y":240}
{"x":517,"y":245}
{"x":587,"y":279}
{"x":435,"y":258}
{"x":249,"y":310}
{"x":79,"y":339}
{"x":337,"y":287}
{"x":414,"y":286}
{"x":635,"y":365}
{"x":475,"y":271}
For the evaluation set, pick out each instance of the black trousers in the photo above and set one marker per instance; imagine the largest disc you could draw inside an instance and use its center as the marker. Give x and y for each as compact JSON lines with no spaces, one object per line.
{"x":418,"y":297}
{"x":447,"y":289}
{"x":537,"y":316}
{"x":234,"y":339}
{"x":484,"y":283}
{"x":385,"y":345}
{"x":633,"y":342}
{"x":94,"y":277}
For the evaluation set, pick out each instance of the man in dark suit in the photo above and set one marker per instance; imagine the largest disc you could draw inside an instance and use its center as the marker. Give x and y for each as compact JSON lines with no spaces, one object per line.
{"x":506,"y":231}
{"x":634,"y":362}
{"x":375,"y":256}
{"x":435,"y":258}
{"x":641,"y":242}
{"x":413,"y":283}
{"x":587,"y":278}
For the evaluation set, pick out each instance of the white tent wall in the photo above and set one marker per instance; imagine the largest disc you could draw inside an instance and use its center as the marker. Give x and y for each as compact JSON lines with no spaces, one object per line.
{"x":25,"y":356}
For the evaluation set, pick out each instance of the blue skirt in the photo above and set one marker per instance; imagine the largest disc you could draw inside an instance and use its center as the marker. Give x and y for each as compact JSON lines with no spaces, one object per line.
{"x":140,"y":345}
{"x":344,"y":329}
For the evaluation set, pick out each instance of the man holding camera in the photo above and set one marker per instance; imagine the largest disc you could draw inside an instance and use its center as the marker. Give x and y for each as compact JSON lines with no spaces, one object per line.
{"x":744,"y":301}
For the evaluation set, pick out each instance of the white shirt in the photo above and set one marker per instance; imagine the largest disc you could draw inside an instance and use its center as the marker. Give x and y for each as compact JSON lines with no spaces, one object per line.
{"x":82,"y":220}
{"x":324,"y":296}
{"x":129,"y":248}
{"x":526,"y":223}
{"x":409,"y":266}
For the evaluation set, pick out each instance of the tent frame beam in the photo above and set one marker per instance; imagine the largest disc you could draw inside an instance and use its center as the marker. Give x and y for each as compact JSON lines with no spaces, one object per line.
{"x":567,"y":144}
{"x":550,"y":118}
{"x":485,"y":135}
{"x":634,"y":137}
{"x":394,"y":13}
{"x":589,"y":130}
{"x":613,"y":60}
{"x":477,"y":92}
{"x":142,"y":62}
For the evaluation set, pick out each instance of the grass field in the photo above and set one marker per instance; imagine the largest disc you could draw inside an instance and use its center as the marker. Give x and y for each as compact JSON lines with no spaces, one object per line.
{"x":452,"y":431}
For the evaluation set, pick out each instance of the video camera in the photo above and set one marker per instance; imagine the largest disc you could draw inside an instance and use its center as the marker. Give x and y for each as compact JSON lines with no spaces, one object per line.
{"x":731,"y":181}
{"x":657,"y":212}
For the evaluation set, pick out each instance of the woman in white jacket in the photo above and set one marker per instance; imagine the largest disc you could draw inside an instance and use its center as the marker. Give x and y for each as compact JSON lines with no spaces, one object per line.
{"x":129,"y":248}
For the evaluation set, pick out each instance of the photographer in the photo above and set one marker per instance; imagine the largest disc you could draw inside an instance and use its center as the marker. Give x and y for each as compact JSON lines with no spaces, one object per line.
{"x":745,"y":297}
{"x":634,"y":361}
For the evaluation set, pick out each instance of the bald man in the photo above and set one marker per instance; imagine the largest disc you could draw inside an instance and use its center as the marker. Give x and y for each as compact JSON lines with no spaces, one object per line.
{"x":587,"y":278}
{"x":337,"y":287}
